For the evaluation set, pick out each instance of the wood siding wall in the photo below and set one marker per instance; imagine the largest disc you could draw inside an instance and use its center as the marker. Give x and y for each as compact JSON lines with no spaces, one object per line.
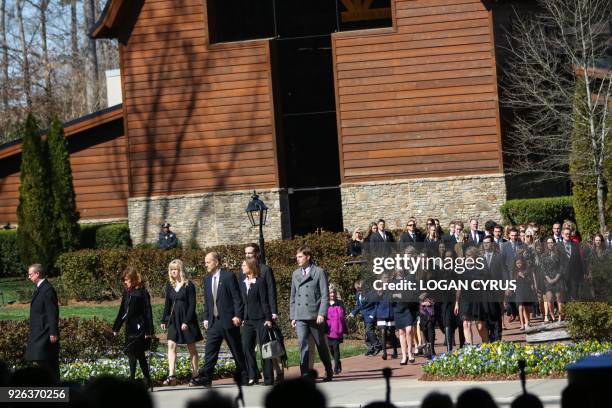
{"x":199,"y":116}
{"x":419,"y":99}
{"x":99,"y":170}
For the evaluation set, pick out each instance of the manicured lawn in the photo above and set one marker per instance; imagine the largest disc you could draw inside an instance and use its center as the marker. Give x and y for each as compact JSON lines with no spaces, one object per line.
{"x":105,"y":312}
{"x":15,"y":289}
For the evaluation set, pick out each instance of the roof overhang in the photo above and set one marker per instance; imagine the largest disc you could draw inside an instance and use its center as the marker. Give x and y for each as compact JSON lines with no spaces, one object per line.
{"x":71,"y":127}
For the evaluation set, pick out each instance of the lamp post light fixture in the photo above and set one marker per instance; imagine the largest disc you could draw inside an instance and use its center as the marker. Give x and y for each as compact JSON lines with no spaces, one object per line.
{"x":258,"y":213}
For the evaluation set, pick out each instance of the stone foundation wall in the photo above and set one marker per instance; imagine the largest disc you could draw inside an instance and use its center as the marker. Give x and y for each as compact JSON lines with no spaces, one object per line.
{"x":208,"y":218}
{"x":445,"y":198}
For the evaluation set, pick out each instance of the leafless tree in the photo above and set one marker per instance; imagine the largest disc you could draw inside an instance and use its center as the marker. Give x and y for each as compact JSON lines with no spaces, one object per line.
{"x":548,"y":52}
{"x":91,"y":57}
{"x":5,"y":56}
{"x":25,"y":57}
{"x":47,"y":63}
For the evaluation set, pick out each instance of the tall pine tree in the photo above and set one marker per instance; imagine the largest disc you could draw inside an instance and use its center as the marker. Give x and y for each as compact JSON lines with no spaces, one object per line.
{"x":35,"y":232}
{"x":64,"y":213}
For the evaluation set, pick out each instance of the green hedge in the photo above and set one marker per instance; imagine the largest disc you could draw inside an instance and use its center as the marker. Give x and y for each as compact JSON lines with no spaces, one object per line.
{"x":10,"y":265}
{"x":105,"y":236}
{"x":544,"y":211}
{"x":113,"y":236}
{"x":95,"y":274}
{"x":589,"y":320}
{"x":80,"y":339}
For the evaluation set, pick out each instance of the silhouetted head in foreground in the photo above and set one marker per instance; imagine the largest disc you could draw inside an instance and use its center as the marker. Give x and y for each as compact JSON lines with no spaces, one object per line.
{"x":437,"y":400}
{"x":379,"y":404}
{"x":108,"y":391}
{"x":295,"y":393}
{"x":475,"y":397}
{"x":212,"y":399}
{"x":527,"y":401}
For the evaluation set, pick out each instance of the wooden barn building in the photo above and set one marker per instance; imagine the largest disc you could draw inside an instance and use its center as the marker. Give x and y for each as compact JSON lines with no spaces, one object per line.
{"x":337,"y":112}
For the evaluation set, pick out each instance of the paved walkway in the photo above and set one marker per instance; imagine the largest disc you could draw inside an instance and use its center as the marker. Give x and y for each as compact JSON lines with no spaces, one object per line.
{"x":354,"y":392}
{"x":361,"y":382}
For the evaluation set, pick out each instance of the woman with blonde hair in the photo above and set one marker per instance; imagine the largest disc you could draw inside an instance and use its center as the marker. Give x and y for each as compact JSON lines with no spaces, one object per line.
{"x":180,"y":319}
{"x":354,"y":247}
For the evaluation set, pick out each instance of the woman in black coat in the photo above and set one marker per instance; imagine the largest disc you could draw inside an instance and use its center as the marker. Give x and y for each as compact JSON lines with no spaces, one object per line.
{"x":180,"y":319}
{"x":136,"y":312}
{"x":257,"y":321}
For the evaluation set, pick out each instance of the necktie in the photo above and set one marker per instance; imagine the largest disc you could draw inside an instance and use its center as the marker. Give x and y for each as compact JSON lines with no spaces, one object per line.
{"x":489,"y":259}
{"x":382,"y":234}
{"x":214,"y":288}
{"x":475,"y":239}
{"x":568,"y":250}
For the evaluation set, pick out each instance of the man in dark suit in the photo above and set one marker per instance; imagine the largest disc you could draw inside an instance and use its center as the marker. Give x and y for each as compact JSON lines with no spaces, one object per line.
{"x":498,"y":232}
{"x":43,"y":338}
{"x":411,"y":235}
{"x":572,"y":264}
{"x":509,"y":251}
{"x":308,"y":305}
{"x":267,"y":276}
{"x":556,"y":229}
{"x":382,"y":235}
{"x":223,"y":312}
{"x":451,"y":230}
{"x":475,"y":236}
{"x":494,"y":270}
{"x":455,"y":235}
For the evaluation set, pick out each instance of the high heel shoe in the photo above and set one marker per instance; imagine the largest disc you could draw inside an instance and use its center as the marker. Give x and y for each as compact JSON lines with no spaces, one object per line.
{"x":404,"y":361}
{"x":384,"y":356}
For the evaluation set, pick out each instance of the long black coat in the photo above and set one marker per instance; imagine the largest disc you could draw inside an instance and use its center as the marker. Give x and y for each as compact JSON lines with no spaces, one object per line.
{"x":44,"y":318}
{"x":268,"y":277}
{"x":136,"y":312}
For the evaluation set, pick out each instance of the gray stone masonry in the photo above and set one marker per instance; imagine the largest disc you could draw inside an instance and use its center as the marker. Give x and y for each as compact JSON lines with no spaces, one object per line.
{"x":445,"y":198}
{"x":208,"y":218}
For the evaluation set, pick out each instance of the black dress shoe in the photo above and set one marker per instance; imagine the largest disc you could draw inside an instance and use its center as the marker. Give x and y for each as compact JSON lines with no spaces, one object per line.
{"x":201,"y":382}
{"x":328,"y":376}
{"x":394,"y":355}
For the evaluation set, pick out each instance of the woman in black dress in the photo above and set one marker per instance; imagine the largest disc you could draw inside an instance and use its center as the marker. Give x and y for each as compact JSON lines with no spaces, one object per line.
{"x":257,"y":321}
{"x":525,"y":294}
{"x":135,"y":311}
{"x":471,"y":304}
{"x":354,"y":247}
{"x":552,"y":278}
{"x":180,"y":319}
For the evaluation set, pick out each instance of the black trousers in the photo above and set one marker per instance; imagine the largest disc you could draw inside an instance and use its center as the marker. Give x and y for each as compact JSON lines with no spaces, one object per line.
{"x":214,"y":338}
{"x":52,"y":366}
{"x":429,"y":330}
{"x":138,"y":355}
{"x":371,"y":338}
{"x":255,"y":333}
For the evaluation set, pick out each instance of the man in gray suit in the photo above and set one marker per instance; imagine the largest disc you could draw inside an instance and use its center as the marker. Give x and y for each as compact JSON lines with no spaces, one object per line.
{"x":308,"y":308}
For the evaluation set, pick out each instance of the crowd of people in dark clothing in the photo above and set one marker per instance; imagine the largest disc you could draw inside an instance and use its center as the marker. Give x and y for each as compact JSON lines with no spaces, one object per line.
{"x":549,"y":268}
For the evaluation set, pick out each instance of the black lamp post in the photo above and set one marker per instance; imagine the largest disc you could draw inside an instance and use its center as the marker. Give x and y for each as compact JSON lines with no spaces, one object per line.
{"x":258,"y":213}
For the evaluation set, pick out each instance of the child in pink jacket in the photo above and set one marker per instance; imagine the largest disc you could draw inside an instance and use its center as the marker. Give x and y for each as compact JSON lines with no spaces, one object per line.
{"x":336,"y":325}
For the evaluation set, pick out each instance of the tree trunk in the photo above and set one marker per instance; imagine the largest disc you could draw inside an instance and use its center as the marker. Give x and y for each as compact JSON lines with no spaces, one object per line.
{"x":25,"y":65}
{"x":5,"y":59}
{"x":91,"y":58}
{"x":601,"y":201}
{"x":42,"y":8}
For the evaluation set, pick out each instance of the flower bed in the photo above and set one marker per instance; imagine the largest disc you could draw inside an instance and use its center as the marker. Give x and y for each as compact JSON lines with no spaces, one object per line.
{"x":500,"y":360}
{"x":81,"y":371}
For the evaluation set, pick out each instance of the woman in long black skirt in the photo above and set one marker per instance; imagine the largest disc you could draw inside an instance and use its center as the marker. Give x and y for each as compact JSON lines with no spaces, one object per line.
{"x":136,"y":312}
{"x":180,"y":319}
